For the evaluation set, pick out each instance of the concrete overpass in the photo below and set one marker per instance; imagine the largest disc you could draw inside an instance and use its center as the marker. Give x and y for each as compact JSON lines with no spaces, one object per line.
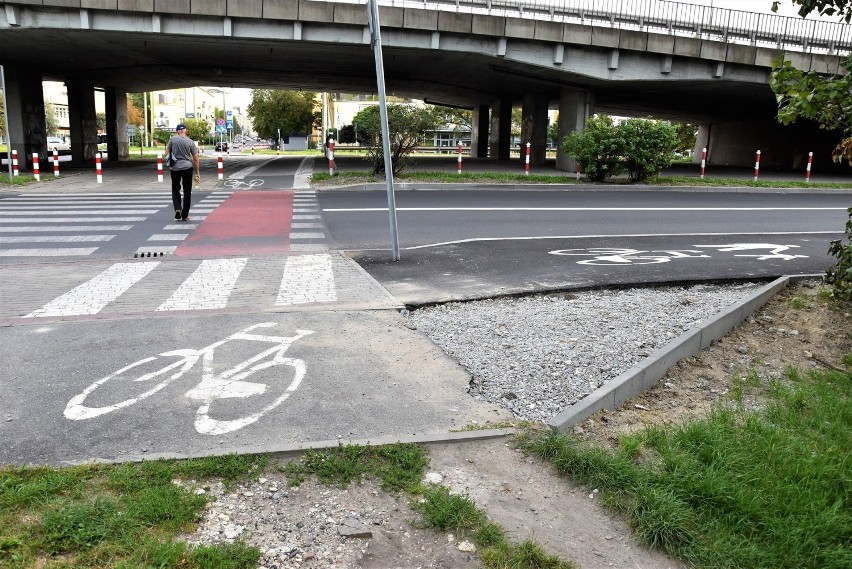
{"x":662,"y":59}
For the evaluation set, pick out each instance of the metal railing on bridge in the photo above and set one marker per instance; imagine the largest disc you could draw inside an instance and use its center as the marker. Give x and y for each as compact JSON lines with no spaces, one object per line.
{"x":664,"y":17}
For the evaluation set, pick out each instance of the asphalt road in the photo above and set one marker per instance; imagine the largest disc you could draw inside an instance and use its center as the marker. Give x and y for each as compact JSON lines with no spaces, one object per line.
{"x":256,"y":331}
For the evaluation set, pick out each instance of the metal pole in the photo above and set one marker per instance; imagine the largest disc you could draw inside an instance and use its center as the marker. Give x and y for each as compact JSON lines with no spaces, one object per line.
{"x":373,"y":17}
{"x":6,"y":118}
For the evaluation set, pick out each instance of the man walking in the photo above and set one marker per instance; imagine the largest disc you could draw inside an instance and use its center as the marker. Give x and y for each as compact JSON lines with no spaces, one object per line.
{"x":183,"y":158}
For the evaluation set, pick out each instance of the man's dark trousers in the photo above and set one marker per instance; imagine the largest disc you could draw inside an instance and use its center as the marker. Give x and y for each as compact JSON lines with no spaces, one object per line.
{"x":185,"y":177}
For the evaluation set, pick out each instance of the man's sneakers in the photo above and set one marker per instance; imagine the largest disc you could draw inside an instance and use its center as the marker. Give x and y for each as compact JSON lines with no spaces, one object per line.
{"x":177,"y":214}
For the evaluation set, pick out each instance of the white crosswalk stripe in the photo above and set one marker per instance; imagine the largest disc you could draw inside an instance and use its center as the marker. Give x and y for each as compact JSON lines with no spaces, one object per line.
{"x":202,"y":285}
{"x":92,"y":296}
{"x":208,"y":287}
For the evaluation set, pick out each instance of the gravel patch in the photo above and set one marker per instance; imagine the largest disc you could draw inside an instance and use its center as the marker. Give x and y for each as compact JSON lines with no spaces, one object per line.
{"x":537,"y":355}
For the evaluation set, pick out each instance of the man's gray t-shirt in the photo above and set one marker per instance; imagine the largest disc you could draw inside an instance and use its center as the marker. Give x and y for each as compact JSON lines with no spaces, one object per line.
{"x":182,"y":149}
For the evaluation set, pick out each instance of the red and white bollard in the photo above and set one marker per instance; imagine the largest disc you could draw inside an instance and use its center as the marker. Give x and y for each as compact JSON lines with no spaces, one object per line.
{"x":577,"y":170}
{"x":808,"y":171}
{"x":756,"y":165}
{"x":98,"y":168}
{"x":220,"y":167}
{"x":15,"y":171}
{"x":331,"y":157}
{"x":460,"y":157}
{"x":35,"y":167}
{"x":527,"y":163}
{"x":703,"y":161}
{"x":159,"y":167}
{"x":55,"y":163}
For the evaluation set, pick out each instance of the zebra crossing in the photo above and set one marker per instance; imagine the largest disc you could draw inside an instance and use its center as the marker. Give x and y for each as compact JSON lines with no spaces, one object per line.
{"x":82,"y":224}
{"x":62,"y":225}
{"x":175,"y":284}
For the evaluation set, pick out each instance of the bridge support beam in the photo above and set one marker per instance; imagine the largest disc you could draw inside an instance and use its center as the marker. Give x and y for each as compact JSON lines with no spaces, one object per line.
{"x":501,"y":129}
{"x":83,"y":121}
{"x":479,"y":132}
{"x":25,"y":119}
{"x":575,"y":107}
{"x":781,"y":147}
{"x":116,"y":123}
{"x":534,"y":128}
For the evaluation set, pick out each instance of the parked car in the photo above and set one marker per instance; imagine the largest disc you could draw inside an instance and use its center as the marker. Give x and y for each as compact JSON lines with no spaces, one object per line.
{"x":221,"y":147}
{"x":57,"y":143}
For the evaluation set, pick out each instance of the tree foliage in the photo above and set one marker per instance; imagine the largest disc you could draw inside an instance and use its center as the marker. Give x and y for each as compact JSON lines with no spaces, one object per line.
{"x":197,"y":129}
{"x":824,"y":99}
{"x":639,"y":146}
{"x":841,"y":8}
{"x":347,"y":134}
{"x":51,"y":121}
{"x":290,"y":111}
{"x":687,"y":133}
{"x":406,"y":124}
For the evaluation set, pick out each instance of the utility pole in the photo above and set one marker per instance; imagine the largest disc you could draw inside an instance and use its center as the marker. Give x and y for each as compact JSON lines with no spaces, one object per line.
{"x":6,"y":125}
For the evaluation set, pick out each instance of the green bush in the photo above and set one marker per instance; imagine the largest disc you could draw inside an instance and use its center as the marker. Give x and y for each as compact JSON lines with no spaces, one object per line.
{"x":639,"y":146}
{"x":648,"y":147}
{"x":839,"y":275}
{"x":596,"y":149}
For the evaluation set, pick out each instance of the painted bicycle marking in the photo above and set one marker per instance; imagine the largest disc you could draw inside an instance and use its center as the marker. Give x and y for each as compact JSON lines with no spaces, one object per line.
{"x":627,"y":256}
{"x":228,"y":384}
{"x":240,"y":185}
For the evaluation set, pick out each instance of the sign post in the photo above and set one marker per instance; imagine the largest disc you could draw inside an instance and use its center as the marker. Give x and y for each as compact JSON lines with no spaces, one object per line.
{"x":375,"y":33}
{"x":6,"y":114}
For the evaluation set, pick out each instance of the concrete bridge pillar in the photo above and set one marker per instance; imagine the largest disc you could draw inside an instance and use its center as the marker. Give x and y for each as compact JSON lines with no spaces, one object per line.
{"x":116,"y":123}
{"x":781,"y":147}
{"x":575,"y":108}
{"x":501,"y":129}
{"x":534,"y":128}
{"x":82,"y":119}
{"x":25,"y":118}
{"x":479,"y":132}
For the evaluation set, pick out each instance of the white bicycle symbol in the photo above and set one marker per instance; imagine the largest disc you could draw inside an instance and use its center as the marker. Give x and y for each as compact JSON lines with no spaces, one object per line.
{"x":239,"y":184}
{"x":615,"y":256}
{"x":228,"y":384}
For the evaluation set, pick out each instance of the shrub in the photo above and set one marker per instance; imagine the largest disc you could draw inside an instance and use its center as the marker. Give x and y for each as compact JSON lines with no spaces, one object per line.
{"x":839,"y":275}
{"x":596,"y":148}
{"x":604,"y":149}
{"x":648,"y":147}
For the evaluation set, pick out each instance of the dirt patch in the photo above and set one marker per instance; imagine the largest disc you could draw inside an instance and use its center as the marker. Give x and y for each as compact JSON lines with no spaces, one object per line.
{"x":303,"y":527}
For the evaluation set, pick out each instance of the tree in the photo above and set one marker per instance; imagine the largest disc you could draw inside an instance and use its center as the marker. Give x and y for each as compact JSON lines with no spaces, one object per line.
{"x":686,"y":136}
{"x":51,"y":122}
{"x":842,"y":8}
{"x":406,"y":124}
{"x":197,"y":129}
{"x":134,"y":114}
{"x":290,"y":111}
{"x":824,"y":99}
{"x":347,"y":134}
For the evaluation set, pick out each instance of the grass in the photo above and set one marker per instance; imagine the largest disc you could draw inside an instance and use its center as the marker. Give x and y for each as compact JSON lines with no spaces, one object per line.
{"x":363,"y":176}
{"x":740,"y":488}
{"x":19,"y":180}
{"x":400,"y":468}
{"x":123,"y":515}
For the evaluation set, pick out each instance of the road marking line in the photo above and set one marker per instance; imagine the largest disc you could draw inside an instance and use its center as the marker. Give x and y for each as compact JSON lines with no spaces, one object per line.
{"x":168,"y":237}
{"x":208,"y":287}
{"x":29,"y":211}
{"x":91,"y":296}
{"x":56,"y":238}
{"x":40,"y":229}
{"x":307,"y":278}
{"x":71,"y":219}
{"x":69,"y":252}
{"x":542,"y":238}
{"x":374,"y":209}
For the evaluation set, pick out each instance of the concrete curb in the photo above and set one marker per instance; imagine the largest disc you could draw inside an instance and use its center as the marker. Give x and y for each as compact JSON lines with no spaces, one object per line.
{"x":284,"y":451}
{"x":642,"y":376}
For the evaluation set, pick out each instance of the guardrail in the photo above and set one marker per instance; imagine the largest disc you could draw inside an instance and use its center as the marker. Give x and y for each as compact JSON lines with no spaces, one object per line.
{"x":664,"y":17}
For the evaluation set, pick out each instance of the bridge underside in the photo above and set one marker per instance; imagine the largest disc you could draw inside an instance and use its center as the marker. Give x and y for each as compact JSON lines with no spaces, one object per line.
{"x":480,"y":72}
